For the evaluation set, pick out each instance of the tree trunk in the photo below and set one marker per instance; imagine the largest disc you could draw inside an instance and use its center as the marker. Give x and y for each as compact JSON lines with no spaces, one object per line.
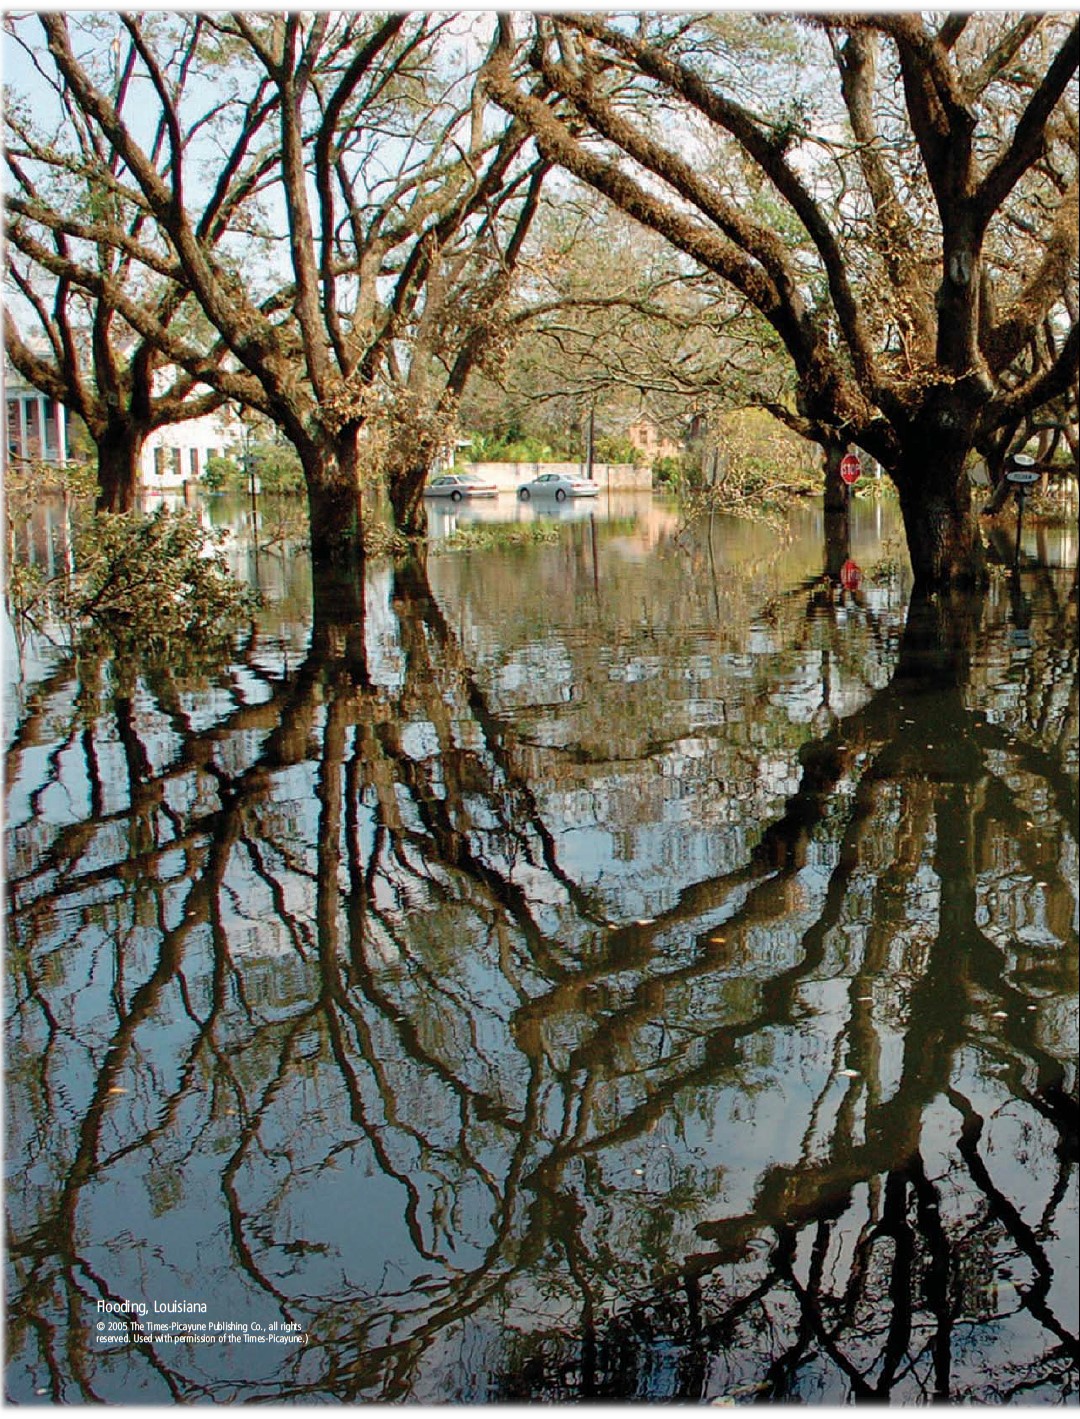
{"x":118,"y":450}
{"x":943,"y":539}
{"x":1001,"y":489}
{"x":837,"y":506}
{"x":406,"y":489}
{"x":333,"y":489}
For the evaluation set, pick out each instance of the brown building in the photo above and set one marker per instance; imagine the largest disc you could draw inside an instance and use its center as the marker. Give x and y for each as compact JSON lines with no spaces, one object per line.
{"x":645,"y":434}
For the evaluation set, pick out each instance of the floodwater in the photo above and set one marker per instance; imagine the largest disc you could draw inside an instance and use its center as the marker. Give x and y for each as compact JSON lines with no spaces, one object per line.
{"x":614,"y":963}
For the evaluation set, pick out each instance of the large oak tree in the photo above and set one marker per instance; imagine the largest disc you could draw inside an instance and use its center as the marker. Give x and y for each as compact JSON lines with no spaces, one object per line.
{"x":393,"y":205}
{"x":901,"y":304}
{"x":68,"y":212}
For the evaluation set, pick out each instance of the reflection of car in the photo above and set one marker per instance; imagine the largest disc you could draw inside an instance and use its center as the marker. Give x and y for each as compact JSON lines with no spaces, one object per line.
{"x":559,"y":486}
{"x":458,"y":486}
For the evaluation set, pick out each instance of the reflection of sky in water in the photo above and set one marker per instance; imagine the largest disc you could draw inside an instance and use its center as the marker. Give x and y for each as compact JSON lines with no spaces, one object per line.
{"x":544,"y":1014}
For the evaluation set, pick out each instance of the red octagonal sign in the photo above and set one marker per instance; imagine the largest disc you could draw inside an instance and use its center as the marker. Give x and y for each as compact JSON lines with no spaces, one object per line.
{"x":850,"y":468}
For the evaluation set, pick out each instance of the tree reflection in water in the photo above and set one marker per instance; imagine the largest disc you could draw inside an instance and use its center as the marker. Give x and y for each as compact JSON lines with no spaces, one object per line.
{"x":325,"y":1007}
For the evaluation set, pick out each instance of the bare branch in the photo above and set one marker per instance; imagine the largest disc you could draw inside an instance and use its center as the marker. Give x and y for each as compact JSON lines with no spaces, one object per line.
{"x":1028,"y":136}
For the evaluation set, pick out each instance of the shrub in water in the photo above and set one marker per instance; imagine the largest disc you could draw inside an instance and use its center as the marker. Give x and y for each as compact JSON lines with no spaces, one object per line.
{"x":151,"y":581}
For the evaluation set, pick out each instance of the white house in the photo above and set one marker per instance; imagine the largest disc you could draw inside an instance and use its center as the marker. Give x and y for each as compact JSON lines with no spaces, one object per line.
{"x":37,"y":427}
{"x":178,"y":453}
{"x":38,"y":431}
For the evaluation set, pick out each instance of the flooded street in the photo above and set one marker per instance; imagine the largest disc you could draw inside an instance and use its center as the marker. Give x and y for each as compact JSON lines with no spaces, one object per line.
{"x":612,"y":962}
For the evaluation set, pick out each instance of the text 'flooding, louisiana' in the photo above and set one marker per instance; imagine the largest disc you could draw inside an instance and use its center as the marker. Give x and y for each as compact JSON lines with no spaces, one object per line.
{"x":142,"y":1308}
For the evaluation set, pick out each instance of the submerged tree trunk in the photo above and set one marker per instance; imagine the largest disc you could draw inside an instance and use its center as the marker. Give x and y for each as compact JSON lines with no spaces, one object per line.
{"x":837,"y":506}
{"x":333,"y":489}
{"x":118,"y":450}
{"x":406,"y":489}
{"x":942,"y":526}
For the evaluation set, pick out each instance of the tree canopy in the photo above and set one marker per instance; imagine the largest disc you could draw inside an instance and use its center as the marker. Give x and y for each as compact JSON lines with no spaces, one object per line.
{"x":385,"y":203}
{"x":325,"y":216}
{"x":908,"y":227}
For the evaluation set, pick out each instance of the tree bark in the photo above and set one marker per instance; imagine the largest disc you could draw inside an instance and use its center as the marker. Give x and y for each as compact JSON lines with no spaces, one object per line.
{"x":333,"y":489}
{"x":837,"y":512}
{"x":942,"y":527}
{"x":118,"y":450}
{"x":406,"y":489}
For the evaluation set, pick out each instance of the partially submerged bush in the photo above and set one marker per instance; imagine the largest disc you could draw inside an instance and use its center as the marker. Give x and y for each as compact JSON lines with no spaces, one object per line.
{"x":382,"y":540}
{"x":275,"y":464}
{"x":487,"y":536}
{"x":144,"y":584}
{"x":155,"y":579}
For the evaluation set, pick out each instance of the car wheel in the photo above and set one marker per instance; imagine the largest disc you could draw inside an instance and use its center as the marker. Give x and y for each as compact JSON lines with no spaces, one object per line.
{"x":523,"y":494}
{"x":560,"y":496}
{"x":455,"y":496}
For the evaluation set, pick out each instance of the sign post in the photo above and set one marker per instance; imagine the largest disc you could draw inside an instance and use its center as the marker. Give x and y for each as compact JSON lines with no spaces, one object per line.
{"x":1021,"y":476}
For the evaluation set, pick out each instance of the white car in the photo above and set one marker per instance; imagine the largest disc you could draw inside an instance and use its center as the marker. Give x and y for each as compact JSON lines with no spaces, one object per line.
{"x":459,"y":485}
{"x":559,"y":486}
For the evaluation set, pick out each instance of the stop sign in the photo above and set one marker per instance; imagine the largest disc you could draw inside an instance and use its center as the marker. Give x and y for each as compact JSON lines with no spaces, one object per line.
{"x":850,"y":468}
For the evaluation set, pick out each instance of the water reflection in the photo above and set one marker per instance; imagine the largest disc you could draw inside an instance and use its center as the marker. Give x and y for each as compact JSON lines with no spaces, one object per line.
{"x":619,"y":968}
{"x":445,"y":517}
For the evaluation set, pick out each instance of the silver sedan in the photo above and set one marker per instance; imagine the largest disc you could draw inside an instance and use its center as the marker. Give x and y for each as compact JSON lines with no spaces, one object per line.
{"x":559,"y":486}
{"x":459,"y":485}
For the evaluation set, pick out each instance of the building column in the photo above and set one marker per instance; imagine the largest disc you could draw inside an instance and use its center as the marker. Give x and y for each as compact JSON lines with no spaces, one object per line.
{"x":61,"y":432}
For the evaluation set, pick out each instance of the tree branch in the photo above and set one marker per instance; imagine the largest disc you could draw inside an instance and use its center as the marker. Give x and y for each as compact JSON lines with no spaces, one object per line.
{"x":769,"y":155}
{"x":1001,"y":55}
{"x":1029,"y":134}
{"x":1058,"y":379}
{"x":559,"y":145}
{"x":324,"y":145}
{"x":168,"y":109}
{"x":32,"y":367}
{"x":97,"y":233}
{"x":1004,"y":342}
